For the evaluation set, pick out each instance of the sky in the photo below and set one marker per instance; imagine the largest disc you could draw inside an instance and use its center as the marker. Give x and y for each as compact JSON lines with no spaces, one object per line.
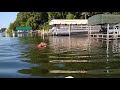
{"x":6,"y":18}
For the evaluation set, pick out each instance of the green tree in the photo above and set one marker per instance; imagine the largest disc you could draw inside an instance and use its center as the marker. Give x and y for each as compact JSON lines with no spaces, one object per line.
{"x":56,"y":15}
{"x":70,"y":16}
{"x":33,"y":19}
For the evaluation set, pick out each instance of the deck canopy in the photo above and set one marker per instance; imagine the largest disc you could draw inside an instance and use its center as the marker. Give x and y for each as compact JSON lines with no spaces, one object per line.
{"x":100,"y":19}
{"x":68,"y":21}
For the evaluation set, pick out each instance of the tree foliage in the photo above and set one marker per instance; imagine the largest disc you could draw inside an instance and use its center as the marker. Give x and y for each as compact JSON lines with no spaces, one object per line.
{"x":70,"y":16}
{"x":33,"y":19}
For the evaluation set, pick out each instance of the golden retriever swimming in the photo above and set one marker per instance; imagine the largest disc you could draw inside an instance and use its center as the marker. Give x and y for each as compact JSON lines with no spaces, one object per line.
{"x":42,"y":44}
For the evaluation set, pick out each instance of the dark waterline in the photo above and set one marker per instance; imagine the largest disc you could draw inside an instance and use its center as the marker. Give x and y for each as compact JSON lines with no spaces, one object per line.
{"x":76,"y":56}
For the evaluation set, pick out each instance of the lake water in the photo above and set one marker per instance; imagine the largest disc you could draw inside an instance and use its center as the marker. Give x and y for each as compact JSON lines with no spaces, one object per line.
{"x":76,"y":56}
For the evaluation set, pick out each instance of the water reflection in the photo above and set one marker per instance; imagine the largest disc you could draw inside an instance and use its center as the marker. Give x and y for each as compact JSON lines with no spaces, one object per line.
{"x":76,"y":56}
{"x":10,"y":58}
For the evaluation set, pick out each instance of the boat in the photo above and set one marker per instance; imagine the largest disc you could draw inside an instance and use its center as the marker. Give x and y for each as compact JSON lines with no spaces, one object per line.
{"x":71,"y":27}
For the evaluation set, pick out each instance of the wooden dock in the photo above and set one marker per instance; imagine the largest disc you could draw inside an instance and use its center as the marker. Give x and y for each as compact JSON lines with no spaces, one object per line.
{"x":105,"y":36}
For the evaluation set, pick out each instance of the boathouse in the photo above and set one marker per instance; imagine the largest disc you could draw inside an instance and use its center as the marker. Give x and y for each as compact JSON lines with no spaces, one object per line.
{"x":23,"y":29}
{"x":70,"y":26}
{"x":110,"y":25}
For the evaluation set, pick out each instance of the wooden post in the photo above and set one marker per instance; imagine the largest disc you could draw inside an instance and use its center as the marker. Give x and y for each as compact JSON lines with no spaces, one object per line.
{"x":107,"y":50}
{"x":69,"y":29}
{"x":56,"y":32}
{"x":43,"y":34}
{"x":53,"y":32}
{"x":69,"y":42}
{"x":107,"y":42}
{"x":117,"y":32}
{"x":90,"y":30}
{"x":107,"y":31}
{"x":114,"y":32}
{"x":56,"y":29}
{"x":43,"y":31}
{"x":89,"y":44}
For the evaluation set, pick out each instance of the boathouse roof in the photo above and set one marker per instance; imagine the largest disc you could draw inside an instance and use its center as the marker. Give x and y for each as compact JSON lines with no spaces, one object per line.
{"x":104,"y":19}
{"x":23,"y":28}
{"x":68,"y":21}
